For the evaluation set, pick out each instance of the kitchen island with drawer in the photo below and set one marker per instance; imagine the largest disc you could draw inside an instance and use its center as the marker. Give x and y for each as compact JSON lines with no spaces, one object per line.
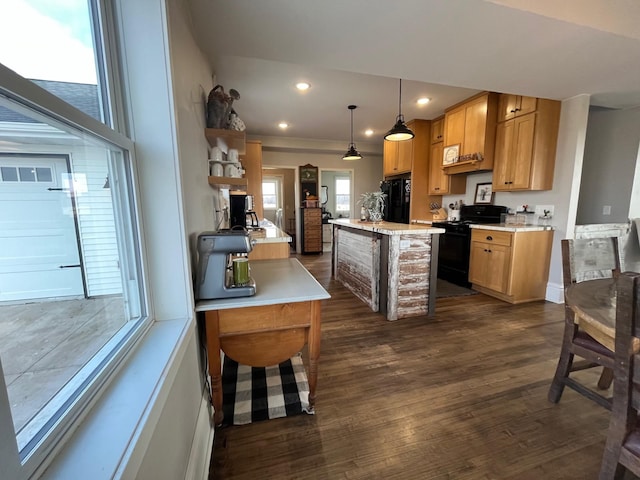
{"x":268,"y":327}
{"x":391,"y":267}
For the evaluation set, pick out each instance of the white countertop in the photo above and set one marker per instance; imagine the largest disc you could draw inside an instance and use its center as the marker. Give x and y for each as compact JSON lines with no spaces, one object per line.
{"x":503,"y":227}
{"x":387,"y":228}
{"x":270,"y":234}
{"x":278,"y":281}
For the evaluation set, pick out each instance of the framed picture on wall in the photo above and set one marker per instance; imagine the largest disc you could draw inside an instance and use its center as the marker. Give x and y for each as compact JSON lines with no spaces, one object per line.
{"x":484,"y":194}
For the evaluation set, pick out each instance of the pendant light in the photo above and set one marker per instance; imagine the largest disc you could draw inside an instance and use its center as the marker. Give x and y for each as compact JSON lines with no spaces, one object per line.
{"x":400,"y":131}
{"x":352,"y":153}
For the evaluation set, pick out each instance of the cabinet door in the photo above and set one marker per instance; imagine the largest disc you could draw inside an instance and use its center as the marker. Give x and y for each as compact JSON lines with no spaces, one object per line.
{"x":475,"y":126}
{"x":502,"y":159}
{"x":405,"y":156}
{"x":489,"y":266}
{"x":526,"y":105}
{"x":437,"y":130}
{"x":437,"y":179}
{"x":506,"y":106}
{"x":523,"y":135}
{"x":390,"y":158}
{"x":454,"y":128}
{"x":252,"y":163}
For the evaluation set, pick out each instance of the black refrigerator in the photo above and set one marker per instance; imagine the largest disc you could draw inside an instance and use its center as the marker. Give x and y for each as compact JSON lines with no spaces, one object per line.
{"x":398,"y":192}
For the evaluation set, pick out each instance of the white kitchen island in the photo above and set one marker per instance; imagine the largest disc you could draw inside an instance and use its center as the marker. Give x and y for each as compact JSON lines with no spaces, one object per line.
{"x":392,"y":267}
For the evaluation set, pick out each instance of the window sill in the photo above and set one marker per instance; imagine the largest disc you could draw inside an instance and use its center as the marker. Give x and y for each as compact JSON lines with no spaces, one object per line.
{"x":100,"y":446}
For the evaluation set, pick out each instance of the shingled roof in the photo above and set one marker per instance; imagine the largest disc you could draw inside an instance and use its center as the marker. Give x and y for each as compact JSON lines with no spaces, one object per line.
{"x":83,"y":96}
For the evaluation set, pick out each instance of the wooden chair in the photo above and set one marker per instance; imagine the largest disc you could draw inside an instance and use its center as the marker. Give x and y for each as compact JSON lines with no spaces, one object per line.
{"x":583,"y":260}
{"x":622,"y":449}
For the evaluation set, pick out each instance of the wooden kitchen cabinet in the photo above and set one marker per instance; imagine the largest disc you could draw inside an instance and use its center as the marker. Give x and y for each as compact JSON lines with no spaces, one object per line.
{"x":439,"y":182}
{"x":397,"y":156}
{"x":526,"y":149}
{"x":311,"y":230}
{"x":437,"y":130}
{"x":252,"y":163}
{"x":511,"y":106}
{"x":471,"y":125}
{"x":511,"y":266}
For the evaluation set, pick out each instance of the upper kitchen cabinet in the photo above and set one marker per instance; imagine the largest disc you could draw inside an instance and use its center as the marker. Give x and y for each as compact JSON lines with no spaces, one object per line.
{"x":471,"y":125}
{"x":511,"y":106}
{"x":437,"y":130}
{"x":397,"y":156}
{"x":526,"y":149}
{"x":252,"y":163}
{"x":439,"y":182}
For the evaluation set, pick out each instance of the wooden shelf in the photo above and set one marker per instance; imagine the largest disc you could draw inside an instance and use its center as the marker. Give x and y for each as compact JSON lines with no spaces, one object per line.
{"x":463,"y":167}
{"x":226,"y":139}
{"x":227,"y":181}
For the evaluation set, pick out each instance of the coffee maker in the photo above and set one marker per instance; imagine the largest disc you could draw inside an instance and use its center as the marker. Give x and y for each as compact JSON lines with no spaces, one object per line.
{"x":251,"y":216}
{"x":214,"y":277}
{"x":237,"y":209}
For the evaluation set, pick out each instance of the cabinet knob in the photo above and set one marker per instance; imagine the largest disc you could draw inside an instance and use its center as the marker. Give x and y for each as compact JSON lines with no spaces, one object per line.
{"x":489,"y":237}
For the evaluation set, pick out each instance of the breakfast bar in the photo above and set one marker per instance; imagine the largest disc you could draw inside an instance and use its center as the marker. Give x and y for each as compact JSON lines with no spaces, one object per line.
{"x":392,"y":267}
{"x":268,"y":327}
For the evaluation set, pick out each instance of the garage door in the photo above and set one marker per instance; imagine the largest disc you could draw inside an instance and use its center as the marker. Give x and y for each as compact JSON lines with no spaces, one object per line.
{"x":39,"y":255}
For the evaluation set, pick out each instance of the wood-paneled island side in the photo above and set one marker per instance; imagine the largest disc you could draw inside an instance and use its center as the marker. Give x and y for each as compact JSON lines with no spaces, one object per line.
{"x":391,"y":267}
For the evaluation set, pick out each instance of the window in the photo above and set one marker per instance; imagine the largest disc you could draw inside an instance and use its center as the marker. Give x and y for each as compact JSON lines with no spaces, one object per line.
{"x":72,"y":296}
{"x":271,"y":193}
{"x":343,"y":194}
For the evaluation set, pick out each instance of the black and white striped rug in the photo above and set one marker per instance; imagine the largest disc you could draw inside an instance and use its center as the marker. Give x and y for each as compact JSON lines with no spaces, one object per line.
{"x":251,"y":394}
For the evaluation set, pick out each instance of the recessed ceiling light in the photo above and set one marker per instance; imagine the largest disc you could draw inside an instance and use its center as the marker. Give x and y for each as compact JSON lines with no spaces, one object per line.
{"x":283,"y":125}
{"x":423,"y":101}
{"x":303,"y":86}
{"x":368,"y":132}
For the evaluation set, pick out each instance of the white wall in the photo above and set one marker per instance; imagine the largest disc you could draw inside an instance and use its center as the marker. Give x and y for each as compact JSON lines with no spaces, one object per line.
{"x":610,"y":160}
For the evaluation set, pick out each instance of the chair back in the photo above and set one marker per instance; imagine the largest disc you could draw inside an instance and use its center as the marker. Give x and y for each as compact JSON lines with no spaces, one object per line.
{"x":278,"y":221}
{"x":589,"y":258}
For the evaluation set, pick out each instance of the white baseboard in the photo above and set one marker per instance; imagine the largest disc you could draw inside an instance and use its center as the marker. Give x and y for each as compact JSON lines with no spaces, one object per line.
{"x":200,"y":456}
{"x":555,"y":293}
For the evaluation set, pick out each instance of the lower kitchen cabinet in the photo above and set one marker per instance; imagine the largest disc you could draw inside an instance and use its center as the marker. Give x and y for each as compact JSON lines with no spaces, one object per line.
{"x":311,"y":230}
{"x":511,"y":266}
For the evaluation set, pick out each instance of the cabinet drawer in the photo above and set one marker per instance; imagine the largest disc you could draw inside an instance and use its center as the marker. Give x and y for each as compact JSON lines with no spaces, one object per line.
{"x":491,"y":236}
{"x":312,"y":213}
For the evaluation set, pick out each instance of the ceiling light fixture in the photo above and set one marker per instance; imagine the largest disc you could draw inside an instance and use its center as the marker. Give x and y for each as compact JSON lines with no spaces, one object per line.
{"x":400,"y":131}
{"x":303,"y":86}
{"x":352,"y":153}
{"x":423,"y":101}
{"x":368,"y":132}
{"x":283,"y":125}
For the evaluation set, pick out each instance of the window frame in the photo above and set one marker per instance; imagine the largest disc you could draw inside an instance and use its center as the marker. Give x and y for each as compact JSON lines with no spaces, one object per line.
{"x":28,"y":94}
{"x":277,"y":181}
{"x":336,"y":180}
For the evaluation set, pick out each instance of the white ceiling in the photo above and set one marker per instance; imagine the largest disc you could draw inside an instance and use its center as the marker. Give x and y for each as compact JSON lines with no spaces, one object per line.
{"x":354,"y":51}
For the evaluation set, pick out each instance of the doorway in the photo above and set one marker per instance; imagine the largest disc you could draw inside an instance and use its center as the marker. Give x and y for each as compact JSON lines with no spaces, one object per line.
{"x":279,"y":191}
{"x":337,"y":200}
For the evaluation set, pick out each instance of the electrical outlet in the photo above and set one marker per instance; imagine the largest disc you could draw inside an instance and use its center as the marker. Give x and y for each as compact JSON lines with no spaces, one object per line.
{"x":606,"y":210}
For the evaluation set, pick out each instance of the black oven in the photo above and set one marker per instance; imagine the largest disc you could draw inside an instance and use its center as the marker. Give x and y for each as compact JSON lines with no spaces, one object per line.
{"x":455,"y":243}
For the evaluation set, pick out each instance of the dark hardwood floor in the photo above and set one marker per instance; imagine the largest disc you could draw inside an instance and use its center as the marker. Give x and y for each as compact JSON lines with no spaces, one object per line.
{"x":462,"y":395}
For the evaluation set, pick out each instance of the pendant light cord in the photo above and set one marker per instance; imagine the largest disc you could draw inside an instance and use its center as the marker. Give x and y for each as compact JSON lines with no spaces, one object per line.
{"x":400,"y":100}
{"x":351,"y":126}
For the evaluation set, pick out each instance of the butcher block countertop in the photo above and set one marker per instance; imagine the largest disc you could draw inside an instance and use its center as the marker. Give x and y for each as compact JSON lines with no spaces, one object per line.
{"x":387,"y":228}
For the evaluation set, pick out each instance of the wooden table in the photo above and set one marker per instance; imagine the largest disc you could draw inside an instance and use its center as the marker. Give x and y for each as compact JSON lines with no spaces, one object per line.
{"x":594,"y":302}
{"x":268,"y":327}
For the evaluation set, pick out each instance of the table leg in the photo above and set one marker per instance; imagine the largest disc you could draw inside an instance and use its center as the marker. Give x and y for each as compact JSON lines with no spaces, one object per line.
{"x":314,"y":351}
{"x":212,"y":329}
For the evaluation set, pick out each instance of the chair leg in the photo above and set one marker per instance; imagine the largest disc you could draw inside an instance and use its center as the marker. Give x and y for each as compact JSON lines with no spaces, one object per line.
{"x":562,"y":371}
{"x":606,"y":377}
{"x":611,"y":469}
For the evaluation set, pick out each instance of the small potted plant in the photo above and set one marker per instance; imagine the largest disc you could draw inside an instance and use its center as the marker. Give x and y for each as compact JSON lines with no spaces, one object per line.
{"x":373,"y":203}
